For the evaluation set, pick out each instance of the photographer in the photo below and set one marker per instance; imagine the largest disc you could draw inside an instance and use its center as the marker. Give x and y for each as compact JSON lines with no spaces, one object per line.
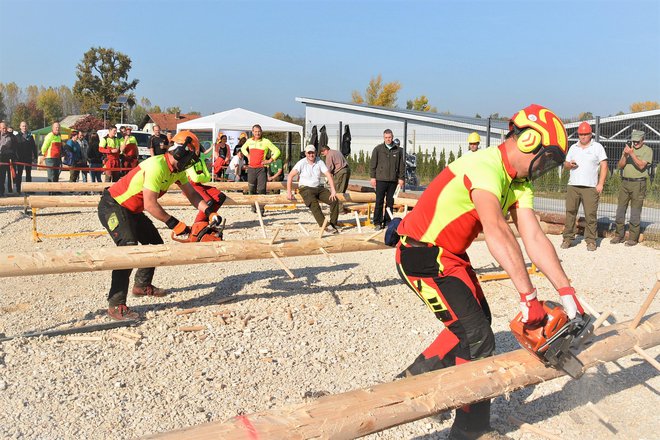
{"x":635,"y":162}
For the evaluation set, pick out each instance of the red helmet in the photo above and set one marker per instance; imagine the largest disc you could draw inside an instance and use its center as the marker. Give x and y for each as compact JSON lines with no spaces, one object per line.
{"x":542,"y":133}
{"x":584,"y":128}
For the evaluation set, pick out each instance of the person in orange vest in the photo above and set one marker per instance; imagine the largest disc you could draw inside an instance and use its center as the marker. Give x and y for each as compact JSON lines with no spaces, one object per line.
{"x":129,"y":150}
{"x":222,"y":152}
{"x":52,"y":151}
{"x":121,"y":212}
{"x":110,"y":146}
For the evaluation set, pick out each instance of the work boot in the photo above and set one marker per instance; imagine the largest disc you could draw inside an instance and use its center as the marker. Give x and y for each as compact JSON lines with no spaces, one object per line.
{"x":460,"y":434}
{"x":591,"y":247}
{"x":616,"y":240}
{"x":149,"y":290}
{"x":122,"y":313}
{"x":333,"y":229}
{"x":631,"y":243}
{"x":566,"y":244}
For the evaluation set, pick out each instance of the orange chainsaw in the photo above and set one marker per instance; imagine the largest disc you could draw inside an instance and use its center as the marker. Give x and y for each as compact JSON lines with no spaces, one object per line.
{"x":201,"y":232}
{"x":554,"y":339}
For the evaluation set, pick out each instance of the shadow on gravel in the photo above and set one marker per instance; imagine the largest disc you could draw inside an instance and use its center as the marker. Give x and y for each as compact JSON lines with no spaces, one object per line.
{"x":279,"y":284}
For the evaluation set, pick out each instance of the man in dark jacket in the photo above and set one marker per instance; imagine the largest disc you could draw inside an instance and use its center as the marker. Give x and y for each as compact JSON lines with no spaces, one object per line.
{"x":7,"y":154}
{"x":387,"y":172}
{"x":27,"y":153}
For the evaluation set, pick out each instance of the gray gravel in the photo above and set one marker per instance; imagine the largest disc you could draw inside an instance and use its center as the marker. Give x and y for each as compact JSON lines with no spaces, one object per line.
{"x":332,"y":329}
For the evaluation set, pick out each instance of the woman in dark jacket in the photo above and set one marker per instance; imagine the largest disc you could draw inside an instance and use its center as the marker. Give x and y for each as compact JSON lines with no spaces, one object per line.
{"x":95,"y":157}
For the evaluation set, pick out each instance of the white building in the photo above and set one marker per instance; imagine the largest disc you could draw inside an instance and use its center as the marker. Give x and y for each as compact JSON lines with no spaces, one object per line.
{"x":417,"y":130}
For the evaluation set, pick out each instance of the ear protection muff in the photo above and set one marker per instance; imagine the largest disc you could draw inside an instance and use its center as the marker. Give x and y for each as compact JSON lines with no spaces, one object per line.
{"x":529,"y":140}
{"x":183,"y":155}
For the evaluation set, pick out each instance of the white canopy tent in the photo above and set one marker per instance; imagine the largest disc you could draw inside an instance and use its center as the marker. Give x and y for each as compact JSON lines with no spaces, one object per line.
{"x":238,"y":119}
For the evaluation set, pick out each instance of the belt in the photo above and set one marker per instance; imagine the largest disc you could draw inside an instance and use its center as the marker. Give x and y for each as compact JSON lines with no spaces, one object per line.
{"x":414,"y":243}
{"x":636,"y":179}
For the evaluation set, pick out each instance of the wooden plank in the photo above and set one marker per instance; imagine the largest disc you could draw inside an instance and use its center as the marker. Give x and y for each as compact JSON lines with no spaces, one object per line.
{"x":379,"y":407}
{"x":279,"y":261}
{"x":127,"y":257}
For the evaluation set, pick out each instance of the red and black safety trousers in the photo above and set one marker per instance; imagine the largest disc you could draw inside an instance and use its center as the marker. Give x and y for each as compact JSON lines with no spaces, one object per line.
{"x":455,"y":297}
{"x":213,"y":198}
{"x":126,"y":229}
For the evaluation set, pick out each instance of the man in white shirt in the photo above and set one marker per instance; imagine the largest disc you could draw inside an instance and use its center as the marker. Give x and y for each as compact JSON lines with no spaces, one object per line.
{"x":587,"y":163}
{"x":310,"y":169}
{"x":235,"y":167}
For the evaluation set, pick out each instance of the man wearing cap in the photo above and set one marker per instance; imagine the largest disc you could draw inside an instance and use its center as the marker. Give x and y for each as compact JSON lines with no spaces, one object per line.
{"x":310,"y":168}
{"x":338,"y":167}
{"x":587,"y":162}
{"x":635,"y":162}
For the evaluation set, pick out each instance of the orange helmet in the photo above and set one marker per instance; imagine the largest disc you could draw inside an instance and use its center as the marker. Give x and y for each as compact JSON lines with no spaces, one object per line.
{"x":185,"y":149}
{"x":541,"y":133}
{"x":584,"y":128}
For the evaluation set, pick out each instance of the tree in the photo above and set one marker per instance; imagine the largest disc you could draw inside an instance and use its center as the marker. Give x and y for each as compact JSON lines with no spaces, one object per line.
{"x":88,"y":124}
{"x":451,"y":157}
{"x":11,"y":93}
{"x":172,"y":110}
{"x":442,"y":163}
{"x":644,"y":106}
{"x":32,"y":93}
{"x":70,"y":104}
{"x":50,"y":103}
{"x":103,"y":77}
{"x":585,"y":116}
{"x":2,"y":106}
{"x":379,"y":94}
{"x":460,"y":152}
{"x":420,"y":104}
{"x":28,"y":113}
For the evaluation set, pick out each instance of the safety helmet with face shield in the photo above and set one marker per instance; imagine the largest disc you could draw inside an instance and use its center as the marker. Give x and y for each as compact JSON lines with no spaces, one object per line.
{"x":540,"y":132}
{"x":185,"y":149}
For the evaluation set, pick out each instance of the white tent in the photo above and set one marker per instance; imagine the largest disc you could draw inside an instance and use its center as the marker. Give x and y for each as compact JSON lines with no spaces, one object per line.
{"x":238,"y":119}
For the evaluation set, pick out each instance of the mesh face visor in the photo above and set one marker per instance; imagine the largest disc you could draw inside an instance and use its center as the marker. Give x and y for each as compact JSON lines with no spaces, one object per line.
{"x":546,"y":159}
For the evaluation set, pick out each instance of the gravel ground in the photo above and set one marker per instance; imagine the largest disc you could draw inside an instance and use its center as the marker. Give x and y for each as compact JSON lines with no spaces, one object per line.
{"x":332,"y":329}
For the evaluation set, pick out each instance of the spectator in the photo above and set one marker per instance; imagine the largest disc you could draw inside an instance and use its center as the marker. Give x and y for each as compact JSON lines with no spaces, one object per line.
{"x":73,"y":156}
{"x":52,"y":151}
{"x":473,"y":142}
{"x":95,"y":158}
{"x":236,"y":167}
{"x":256,"y":150}
{"x":158,"y":142}
{"x":84,"y":149}
{"x":387,"y":172}
{"x":242,"y":138}
{"x":276,"y":171}
{"x":222,"y":154}
{"x":129,"y":150}
{"x":109,"y":146}
{"x":27,"y":153}
{"x":310,"y":188}
{"x":338,"y":167}
{"x":7,"y":155}
{"x":635,"y":162}
{"x":585,"y":159}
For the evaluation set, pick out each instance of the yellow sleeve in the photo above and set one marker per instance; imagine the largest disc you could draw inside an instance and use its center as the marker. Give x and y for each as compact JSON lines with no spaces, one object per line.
{"x":47,"y":141}
{"x":275,"y":151}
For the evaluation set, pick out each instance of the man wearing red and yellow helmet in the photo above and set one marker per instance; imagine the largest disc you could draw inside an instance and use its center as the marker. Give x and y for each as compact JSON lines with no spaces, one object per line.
{"x":121,"y":211}
{"x":473,"y":195}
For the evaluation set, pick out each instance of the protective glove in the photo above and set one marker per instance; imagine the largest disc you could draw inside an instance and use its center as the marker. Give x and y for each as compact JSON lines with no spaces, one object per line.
{"x":531,"y":308}
{"x":214,"y":219}
{"x":177,"y":227}
{"x":570,"y":302}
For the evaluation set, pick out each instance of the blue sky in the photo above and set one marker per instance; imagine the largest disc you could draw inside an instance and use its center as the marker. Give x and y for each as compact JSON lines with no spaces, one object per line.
{"x":467,"y":57}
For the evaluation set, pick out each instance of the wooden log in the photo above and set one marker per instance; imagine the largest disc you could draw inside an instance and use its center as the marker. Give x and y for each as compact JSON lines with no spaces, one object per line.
{"x":361,"y":412}
{"x":127,"y":257}
{"x":178,"y":199}
{"x":100,"y":186}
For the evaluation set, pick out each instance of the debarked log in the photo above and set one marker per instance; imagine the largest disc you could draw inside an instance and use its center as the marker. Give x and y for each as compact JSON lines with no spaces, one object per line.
{"x":128,"y":257}
{"x":100,"y":186}
{"x":178,"y":199}
{"x":361,"y":412}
